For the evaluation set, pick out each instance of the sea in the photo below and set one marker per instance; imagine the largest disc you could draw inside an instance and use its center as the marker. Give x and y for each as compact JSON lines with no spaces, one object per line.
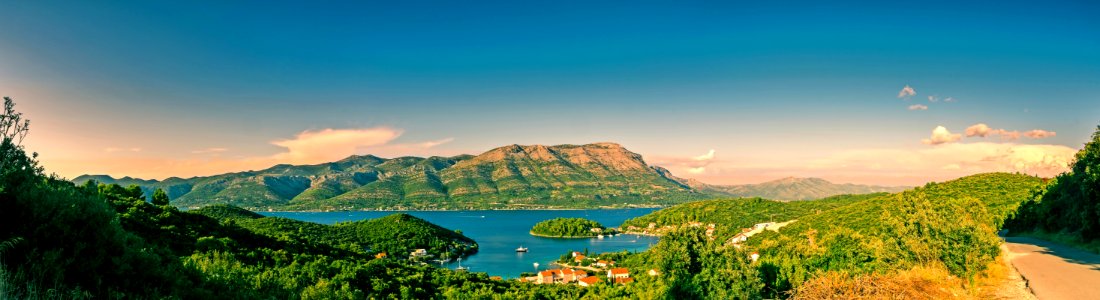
{"x":499,"y":232}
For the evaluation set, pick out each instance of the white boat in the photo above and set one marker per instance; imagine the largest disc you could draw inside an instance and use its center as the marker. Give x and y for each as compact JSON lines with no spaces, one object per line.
{"x":521,"y":249}
{"x":600,"y":236}
{"x":460,"y":266}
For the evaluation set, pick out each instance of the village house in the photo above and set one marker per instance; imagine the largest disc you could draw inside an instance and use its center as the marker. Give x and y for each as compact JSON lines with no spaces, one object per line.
{"x":739,"y":238}
{"x":653,"y":272}
{"x":546,"y":277}
{"x":419,"y":253}
{"x":560,"y":276}
{"x":604,"y":263}
{"x":380,"y":255}
{"x":578,"y":258}
{"x":618,"y":273}
{"x":588,"y":281}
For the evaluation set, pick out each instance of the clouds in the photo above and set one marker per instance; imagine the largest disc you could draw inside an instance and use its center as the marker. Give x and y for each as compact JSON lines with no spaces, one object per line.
{"x":1039,"y":134}
{"x":907,"y":92}
{"x":983,"y":130}
{"x":695,"y":165}
{"x":940,"y":135}
{"x":331,"y":144}
{"x":955,"y":160}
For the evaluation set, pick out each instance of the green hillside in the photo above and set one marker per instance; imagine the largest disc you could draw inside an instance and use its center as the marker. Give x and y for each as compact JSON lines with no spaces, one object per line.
{"x":564,"y":176}
{"x":396,"y":234}
{"x":731,"y":215}
{"x":1068,"y":210}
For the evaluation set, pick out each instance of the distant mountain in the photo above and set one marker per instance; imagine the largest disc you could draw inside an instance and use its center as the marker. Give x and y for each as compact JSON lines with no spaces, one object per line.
{"x":790,"y":188}
{"x":515,"y":176}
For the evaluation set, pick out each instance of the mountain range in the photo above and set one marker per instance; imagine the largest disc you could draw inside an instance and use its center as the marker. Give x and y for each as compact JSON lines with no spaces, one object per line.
{"x":789,"y":188}
{"x":509,"y":177}
{"x":514,"y":176}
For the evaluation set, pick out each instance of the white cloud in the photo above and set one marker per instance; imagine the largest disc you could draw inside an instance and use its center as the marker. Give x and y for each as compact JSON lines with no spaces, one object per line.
{"x":918,"y":107}
{"x":949,"y":99}
{"x":941,"y":135}
{"x":907,"y":92}
{"x":932,"y":99}
{"x":119,"y":149}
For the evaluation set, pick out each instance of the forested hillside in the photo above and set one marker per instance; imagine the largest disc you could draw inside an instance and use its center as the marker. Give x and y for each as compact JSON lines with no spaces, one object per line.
{"x":731,"y":215}
{"x":536,"y":176}
{"x":1069,"y":208}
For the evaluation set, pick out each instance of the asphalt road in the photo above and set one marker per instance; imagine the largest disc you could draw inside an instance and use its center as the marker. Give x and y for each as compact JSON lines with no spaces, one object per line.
{"x":1054,"y":271}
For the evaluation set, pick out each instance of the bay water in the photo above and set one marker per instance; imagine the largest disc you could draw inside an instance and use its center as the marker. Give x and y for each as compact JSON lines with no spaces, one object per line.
{"x":499,"y":232}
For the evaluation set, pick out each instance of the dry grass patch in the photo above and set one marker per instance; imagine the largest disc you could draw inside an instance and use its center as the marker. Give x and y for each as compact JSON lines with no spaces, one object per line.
{"x":998,"y":281}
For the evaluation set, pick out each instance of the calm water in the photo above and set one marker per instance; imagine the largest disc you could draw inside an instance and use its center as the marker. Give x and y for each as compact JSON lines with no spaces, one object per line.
{"x":499,"y":232}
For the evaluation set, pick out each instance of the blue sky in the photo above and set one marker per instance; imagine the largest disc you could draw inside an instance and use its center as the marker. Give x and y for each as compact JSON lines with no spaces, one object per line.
{"x":789,"y":89}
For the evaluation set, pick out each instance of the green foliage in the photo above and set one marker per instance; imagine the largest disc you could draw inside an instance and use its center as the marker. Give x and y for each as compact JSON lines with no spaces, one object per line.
{"x":160,"y":197}
{"x":1070,"y":204}
{"x":569,"y":227}
{"x":950,"y":224}
{"x":734,"y":214}
{"x":696,"y":267}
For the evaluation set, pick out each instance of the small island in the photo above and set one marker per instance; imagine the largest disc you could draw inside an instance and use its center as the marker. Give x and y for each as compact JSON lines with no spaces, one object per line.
{"x":570,"y":228}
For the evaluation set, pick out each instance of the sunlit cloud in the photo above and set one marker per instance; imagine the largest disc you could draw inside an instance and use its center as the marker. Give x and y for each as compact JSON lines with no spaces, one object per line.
{"x":331,"y":144}
{"x":933,"y":99}
{"x":983,"y":130}
{"x":907,"y":92}
{"x":692,"y":165}
{"x":957,"y":159}
{"x":980,"y":130}
{"x":918,"y":107}
{"x":941,"y":135}
{"x":1039,"y":134}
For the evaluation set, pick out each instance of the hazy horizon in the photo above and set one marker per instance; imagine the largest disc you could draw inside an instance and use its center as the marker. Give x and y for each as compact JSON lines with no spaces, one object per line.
{"x":724,"y":93}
